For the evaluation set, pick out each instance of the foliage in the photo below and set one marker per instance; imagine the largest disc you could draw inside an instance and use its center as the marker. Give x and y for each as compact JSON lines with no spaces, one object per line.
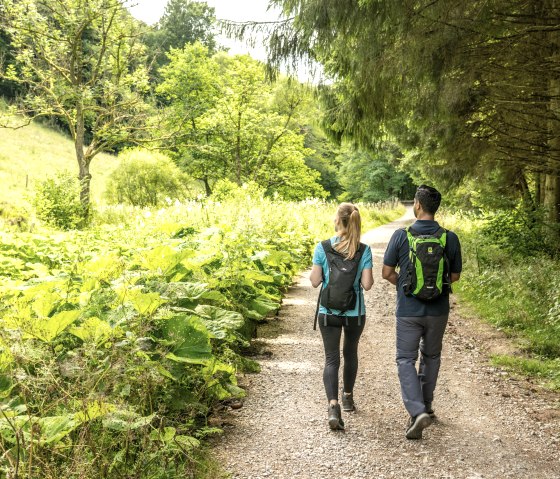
{"x":323,"y":157}
{"x":145,"y":178}
{"x":57,"y":202}
{"x":516,"y":292}
{"x":468,"y":91}
{"x":371,"y":177}
{"x":235,"y":124}
{"x":96,"y":86}
{"x":520,"y":230}
{"x":115,"y":342}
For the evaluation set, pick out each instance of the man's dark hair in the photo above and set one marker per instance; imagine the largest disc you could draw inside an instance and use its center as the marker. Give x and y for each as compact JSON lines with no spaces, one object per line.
{"x":429,"y":198}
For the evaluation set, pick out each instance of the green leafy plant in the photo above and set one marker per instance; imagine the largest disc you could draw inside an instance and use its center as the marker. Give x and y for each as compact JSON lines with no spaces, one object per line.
{"x":57,"y":202}
{"x":146,"y":178}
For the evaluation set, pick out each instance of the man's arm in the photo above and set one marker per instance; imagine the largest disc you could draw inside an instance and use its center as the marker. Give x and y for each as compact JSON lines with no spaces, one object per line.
{"x":455,"y":277}
{"x":390,"y":274}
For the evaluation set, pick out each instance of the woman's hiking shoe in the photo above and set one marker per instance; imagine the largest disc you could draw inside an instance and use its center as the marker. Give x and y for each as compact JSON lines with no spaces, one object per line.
{"x":348,"y":402}
{"x":417,"y":424}
{"x":335,"y":417}
{"x":430,"y":410}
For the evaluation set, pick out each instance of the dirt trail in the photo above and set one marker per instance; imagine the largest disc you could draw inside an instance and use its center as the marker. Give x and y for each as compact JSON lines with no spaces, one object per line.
{"x":489,"y":424}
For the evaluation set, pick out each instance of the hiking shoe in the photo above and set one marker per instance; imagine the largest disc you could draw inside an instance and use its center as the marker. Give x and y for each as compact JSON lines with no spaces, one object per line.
{"x":417,"y":424}
{"x":430,"y":410}
{"x":348,"y":402}
{"x":335,"y":417}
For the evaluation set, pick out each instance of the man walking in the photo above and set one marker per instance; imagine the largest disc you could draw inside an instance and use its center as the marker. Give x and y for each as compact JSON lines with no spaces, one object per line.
{"x":421,"y":322}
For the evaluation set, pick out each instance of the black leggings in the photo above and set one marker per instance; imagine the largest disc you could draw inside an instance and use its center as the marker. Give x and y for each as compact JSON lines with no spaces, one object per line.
{"x":331,"y":333}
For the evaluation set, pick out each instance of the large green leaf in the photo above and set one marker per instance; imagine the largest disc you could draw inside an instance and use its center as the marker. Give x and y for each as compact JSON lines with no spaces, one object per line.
{"x":189,"y":339}
{"x":263,"y":305}
{"x":92,"y":330}
{"x":121,"y":420}
{"x":49,"y":329}
{"x":193,"y":292}
{"x":220,"y":322}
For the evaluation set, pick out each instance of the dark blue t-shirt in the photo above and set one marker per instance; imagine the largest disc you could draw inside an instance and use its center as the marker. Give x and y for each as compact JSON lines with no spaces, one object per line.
{"x":397,"y":255}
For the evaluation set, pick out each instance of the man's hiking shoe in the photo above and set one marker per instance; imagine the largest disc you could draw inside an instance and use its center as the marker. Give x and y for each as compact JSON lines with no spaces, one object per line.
{"x":348,"y":402}
{"x":417,"y":425}
{"x":430,"y":410}
{"x":335,"y":417}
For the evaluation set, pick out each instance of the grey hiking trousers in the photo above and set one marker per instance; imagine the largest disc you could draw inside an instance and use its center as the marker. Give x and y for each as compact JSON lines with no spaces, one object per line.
{"x":424,"y":334}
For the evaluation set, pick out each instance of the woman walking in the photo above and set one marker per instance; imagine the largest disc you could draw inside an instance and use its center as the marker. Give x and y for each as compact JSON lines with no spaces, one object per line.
{"x":344,"y":266}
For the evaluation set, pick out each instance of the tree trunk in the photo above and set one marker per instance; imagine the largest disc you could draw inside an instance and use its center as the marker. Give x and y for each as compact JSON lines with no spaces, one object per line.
{"x":207,"y":188}
{"x":552,"y":180}
{"x":552,"y":197}
{"x":83,"y":162}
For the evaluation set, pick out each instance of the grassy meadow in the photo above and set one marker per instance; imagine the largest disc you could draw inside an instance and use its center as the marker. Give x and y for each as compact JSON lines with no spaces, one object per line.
{"x":32,"y":153}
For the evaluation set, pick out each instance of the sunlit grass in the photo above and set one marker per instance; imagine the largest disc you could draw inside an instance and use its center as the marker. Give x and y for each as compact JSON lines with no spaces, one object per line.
{"x":32,"y":153}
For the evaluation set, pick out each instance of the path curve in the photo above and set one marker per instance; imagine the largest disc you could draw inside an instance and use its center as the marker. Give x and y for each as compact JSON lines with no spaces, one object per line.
{"x":489,"y":425}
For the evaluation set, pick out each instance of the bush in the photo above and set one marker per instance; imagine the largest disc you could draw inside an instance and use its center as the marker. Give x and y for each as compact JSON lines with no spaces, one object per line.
{"x":521,"y":230}
{"x":57,"y":202}
{"x":145,"y":178}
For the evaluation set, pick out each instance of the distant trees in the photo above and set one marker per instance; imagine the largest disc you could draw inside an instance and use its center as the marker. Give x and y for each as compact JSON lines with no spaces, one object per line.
{"x":183,"y":22}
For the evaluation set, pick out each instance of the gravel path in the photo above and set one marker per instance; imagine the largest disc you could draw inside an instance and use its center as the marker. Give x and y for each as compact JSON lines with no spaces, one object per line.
{"x":489,"y":424}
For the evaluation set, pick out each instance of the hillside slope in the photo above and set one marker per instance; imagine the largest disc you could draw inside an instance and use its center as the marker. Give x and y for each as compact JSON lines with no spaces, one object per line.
{"x":32,"y":153}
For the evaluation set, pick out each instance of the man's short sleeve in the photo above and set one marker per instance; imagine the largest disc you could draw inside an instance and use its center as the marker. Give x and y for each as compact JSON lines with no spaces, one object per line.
{"x":319,"y":255}
{"x":455,"y":256}
{"x":391,"y":257}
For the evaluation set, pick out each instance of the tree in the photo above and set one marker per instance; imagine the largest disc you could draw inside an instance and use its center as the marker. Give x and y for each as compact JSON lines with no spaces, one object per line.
{"x":184,"y":22}
{"x":81,"y":61}
{"x":371,"y":177}
{"x":464,"y":88}
{"x":235,"y":124}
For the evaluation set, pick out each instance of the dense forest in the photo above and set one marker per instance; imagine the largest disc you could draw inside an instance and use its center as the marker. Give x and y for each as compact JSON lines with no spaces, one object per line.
{"x":161,"y":194}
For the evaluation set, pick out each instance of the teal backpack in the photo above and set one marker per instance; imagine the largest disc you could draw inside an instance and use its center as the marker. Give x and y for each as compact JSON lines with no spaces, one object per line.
{"x":427,"y":277}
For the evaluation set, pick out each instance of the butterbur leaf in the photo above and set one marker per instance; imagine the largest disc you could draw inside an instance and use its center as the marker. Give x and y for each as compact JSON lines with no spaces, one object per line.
{"x":145,"y":303}
{"x":263,"y":305}
{"x":187,"y":443}
{"x":54,"y":428}
{"x":253,"y":275}
{"x":52,"y":327}
{"x":220,"y":322}
{"x":190,"y":340}
{"x":193,"y":292}
{"x":92,"y":330}
{"x":45,"y":303}
{"x":126,"y":421}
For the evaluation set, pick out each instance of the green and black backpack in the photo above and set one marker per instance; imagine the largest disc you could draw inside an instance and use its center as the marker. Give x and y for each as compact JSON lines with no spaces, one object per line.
{"x":427,"y":277}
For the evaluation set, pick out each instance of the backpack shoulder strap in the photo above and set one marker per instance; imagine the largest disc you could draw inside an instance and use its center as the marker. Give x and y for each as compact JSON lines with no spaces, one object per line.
{"x":327,"y":246}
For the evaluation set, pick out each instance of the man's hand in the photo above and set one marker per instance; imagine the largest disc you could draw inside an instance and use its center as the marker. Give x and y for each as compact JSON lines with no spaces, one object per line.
{"x":390,"y":274}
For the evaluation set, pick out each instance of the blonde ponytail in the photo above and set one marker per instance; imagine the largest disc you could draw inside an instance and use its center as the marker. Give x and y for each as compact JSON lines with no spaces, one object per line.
{"x":349,"y":225}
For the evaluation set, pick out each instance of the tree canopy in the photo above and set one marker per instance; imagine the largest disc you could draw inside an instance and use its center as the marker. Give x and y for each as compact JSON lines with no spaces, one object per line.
{"x":469,"y":90}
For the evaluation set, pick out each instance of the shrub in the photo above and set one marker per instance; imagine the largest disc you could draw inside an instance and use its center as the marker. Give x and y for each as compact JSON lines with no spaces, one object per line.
{"x":145,"y":178}
{"x":57,"y":202}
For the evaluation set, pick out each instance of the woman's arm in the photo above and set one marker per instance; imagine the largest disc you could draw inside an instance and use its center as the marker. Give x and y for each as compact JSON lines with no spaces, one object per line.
{"x":316,"y":275}
{"x":367,"y":279}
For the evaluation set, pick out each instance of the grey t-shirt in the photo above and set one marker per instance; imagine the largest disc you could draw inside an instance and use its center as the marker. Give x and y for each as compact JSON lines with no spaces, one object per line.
{"x":397,"y":255}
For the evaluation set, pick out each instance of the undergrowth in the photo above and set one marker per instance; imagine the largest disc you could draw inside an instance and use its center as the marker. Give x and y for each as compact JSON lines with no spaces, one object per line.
{"x":513,"y":282}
